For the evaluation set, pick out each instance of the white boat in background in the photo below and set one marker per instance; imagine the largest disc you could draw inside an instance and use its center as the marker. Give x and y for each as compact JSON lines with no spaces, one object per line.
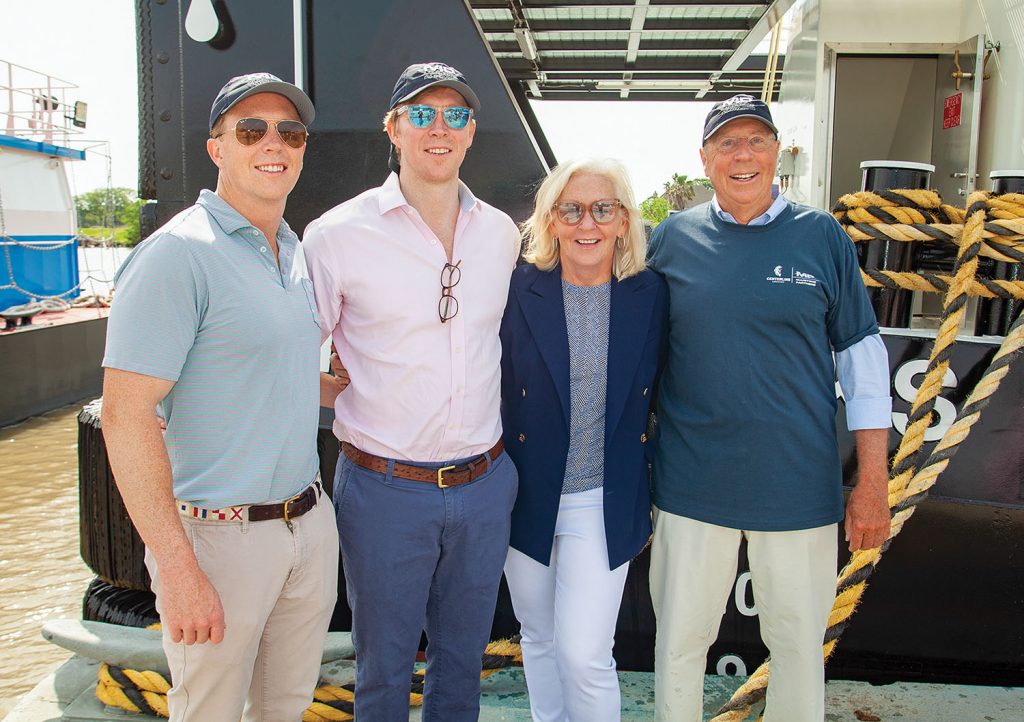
{"x":51,"y":342}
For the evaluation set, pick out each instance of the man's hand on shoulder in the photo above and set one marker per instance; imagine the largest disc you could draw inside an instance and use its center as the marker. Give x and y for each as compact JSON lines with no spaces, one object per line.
{"x":191,"y":609}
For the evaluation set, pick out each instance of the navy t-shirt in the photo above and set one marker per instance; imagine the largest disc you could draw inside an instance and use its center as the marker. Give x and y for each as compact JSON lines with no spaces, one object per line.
{"x":747,"y":403}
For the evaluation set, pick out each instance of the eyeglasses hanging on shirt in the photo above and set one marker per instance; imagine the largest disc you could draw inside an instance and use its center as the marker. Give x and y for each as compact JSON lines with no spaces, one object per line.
{"x":448,"y":306}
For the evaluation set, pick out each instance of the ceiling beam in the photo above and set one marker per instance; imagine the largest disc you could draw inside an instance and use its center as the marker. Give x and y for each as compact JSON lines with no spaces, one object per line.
{"x":771,"y":16}
{"x":585,"y":46}
{"x":753,"y":5}
{"x":697,"y":25}
{"x":636,"y":27}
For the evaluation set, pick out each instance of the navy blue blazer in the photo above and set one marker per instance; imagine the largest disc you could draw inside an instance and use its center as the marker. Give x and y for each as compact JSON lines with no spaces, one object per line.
{"x":535,"y":406}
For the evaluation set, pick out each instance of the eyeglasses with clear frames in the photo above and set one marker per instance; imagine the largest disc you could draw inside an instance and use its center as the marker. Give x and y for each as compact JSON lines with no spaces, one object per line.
{"x":448,"y":306}
{"x":731,"y":144}
{"x":603,"y":211}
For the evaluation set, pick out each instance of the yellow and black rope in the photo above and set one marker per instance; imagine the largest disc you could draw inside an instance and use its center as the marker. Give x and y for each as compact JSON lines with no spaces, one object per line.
{"x":146,"y":691}
{"x":911,"y":478}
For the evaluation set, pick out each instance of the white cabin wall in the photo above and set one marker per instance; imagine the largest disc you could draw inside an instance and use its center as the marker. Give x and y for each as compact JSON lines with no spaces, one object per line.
{"x":802,"y":112}
{"x":1001,"y":142}
{"x":35,"y":196}
{"x":795,"y":112}
{"x":891,"y":21}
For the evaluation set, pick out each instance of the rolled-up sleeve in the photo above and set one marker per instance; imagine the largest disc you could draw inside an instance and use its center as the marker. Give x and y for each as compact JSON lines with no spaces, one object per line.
{"x":863,"y":371}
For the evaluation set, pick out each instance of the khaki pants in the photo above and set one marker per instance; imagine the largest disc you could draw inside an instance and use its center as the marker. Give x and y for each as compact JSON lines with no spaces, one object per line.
{"x":693,"y":569}
{"x":278,"y":589}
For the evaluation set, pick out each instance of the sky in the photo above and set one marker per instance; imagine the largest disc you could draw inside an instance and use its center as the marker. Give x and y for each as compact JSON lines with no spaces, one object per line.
{"x":92,"y":45}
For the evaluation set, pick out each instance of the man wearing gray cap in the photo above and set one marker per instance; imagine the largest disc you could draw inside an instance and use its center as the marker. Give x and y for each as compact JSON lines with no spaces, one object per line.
{"x":762,"y":293}
{"x":411,"y":280}
{"x":214,"y":329}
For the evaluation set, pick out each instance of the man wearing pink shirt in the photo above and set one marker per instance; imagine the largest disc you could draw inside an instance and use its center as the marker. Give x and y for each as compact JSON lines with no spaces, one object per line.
{"x":411,"y":280}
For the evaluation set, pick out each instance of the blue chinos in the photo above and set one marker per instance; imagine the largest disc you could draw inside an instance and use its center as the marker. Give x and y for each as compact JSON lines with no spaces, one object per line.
{"x":418,"y":557}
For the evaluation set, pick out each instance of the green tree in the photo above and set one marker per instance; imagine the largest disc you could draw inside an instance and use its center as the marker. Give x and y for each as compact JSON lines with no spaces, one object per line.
{"x":104,"y":207}
{"x":678,"y":191}
{"x":654,"y":209}
{"x":133,"y":230}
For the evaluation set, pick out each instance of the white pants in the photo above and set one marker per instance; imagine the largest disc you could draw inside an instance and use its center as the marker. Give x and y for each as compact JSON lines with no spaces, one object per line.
{"x":278,"y":589}
{"x":568,"y":611}
{"x":693,"y":569}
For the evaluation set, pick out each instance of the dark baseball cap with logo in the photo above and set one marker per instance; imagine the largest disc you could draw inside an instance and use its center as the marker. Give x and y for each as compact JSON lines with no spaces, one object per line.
{"x":738,"y":106}
{"x":242,"y":86}
{"x":420,"y":76}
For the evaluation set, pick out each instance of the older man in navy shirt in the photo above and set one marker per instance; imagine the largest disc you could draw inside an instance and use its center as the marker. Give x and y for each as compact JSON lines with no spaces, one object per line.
{"x":762,"y":293}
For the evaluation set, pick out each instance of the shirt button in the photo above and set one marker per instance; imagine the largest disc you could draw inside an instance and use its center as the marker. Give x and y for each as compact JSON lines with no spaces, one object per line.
{"x":522,"y":438}
{"x":524,"y":392}
{"x":643,"y":438}
{"x":263,"y":249}
{"x":645,"y":391}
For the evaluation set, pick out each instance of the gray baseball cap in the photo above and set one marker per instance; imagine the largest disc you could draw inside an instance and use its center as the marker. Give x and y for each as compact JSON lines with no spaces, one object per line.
{"x":242,"y":86}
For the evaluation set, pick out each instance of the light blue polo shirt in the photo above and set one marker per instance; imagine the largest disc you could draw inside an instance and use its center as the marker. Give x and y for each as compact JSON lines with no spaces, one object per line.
{"x":202,"y":303}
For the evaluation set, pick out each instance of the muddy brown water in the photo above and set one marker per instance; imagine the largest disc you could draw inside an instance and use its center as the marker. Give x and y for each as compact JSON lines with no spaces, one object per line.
{"x":42,"y":575}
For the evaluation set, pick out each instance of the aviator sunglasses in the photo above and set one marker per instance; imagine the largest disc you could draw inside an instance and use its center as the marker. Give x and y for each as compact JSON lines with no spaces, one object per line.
{"x":250,"y":131}
{"x":572,"y":212}
{"x":422,"y":116}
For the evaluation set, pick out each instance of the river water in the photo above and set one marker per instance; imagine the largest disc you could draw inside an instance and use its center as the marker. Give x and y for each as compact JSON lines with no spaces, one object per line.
{"x":42,"y":575}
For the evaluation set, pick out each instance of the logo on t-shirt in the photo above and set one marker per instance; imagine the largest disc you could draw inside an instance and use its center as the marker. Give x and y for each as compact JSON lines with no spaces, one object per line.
{"x":800,"y":278}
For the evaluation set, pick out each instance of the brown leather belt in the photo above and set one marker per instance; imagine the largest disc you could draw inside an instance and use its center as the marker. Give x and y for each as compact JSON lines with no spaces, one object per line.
{"x":289,"y":508}
{"x":444,"y":477}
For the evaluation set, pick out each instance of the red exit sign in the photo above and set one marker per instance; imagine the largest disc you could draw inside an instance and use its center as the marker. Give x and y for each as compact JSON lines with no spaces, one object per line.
{"x":951,"y":111}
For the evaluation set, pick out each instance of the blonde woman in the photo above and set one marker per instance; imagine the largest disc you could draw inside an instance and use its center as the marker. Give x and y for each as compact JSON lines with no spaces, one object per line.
{"x":582,"y":336}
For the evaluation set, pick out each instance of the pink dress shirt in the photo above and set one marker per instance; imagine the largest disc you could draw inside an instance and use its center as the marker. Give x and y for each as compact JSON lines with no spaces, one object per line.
{"x":420,"y":390}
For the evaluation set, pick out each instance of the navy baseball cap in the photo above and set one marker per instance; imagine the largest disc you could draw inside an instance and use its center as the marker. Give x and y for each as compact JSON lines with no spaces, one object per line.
{"x":420,"y":76}
{"x":738,"y":106}
{"x":242,"y":86}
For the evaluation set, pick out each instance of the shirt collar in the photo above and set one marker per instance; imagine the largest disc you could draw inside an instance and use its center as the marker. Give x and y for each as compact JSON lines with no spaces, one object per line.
{"x":778,"y":205}
{"x":227,"y":217}
{"x":391,"y":196}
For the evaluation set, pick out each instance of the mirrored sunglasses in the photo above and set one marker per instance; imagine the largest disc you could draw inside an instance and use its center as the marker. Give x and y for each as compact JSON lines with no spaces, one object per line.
{"x":422,"y":116}
{"x":250,"y":131}
{"x":572,"y":212}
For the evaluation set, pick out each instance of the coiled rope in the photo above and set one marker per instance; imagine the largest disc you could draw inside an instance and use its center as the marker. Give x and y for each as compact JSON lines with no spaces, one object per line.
{"x":146,"y":692}
{"x":992,"y":226}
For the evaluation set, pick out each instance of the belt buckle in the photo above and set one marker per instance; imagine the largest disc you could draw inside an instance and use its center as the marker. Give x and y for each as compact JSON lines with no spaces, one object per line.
{"x":287,"y":503}
{"x":440,"y":478}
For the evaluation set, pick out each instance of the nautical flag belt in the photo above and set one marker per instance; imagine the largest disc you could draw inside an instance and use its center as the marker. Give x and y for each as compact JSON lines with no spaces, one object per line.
{"x":288,"y":509}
